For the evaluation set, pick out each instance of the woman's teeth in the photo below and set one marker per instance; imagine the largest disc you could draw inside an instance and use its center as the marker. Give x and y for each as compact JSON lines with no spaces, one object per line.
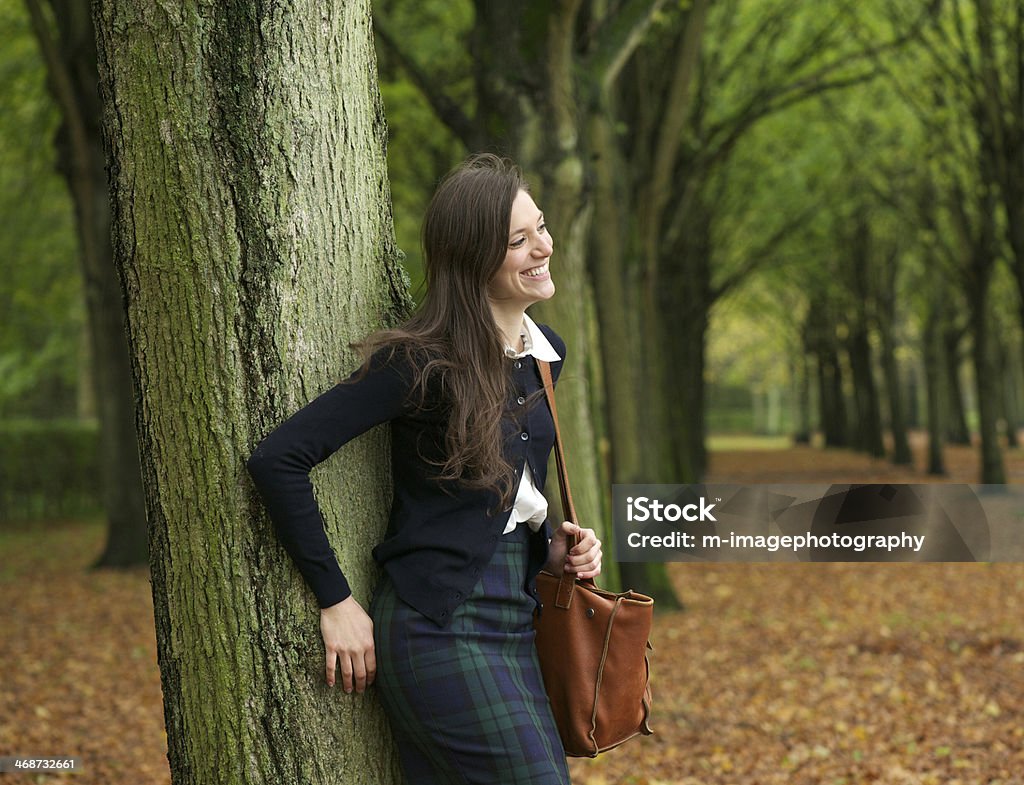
{"x":536,"y":271}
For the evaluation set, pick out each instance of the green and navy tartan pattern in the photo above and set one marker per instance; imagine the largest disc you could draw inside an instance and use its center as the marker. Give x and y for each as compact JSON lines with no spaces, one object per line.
{"x":466,"y":703}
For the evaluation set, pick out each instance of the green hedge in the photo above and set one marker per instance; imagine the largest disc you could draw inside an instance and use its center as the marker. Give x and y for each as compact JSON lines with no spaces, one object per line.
{"x":49,"y":469}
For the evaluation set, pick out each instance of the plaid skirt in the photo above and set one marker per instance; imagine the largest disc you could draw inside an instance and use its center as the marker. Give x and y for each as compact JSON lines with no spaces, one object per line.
{"x":467,"y":703}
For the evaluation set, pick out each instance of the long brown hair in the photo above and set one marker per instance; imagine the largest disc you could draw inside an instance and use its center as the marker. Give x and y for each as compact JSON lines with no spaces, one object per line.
{"x":452,"y":340}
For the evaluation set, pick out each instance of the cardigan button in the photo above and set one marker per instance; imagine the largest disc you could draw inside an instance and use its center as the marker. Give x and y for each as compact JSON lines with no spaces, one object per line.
{"x":520,"y":400}
{"x":524,"y":436}
{"x":518,"y":364}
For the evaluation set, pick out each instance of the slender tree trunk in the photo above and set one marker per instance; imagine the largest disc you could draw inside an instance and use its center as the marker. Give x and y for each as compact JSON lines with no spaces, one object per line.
{"x":987,"y":114}
{"x":69,"y":51}
{"x":683,"y":312}
{"x":820,"y":338}
{"x":869,"y":418}
{"x":252,"y":233}
{"x":912,"y":396}
{"x":802,"y":397}
{"x":1004,"y":368}
{"x":933,"y":367}
{"x":1001,"y":91}
{"x":886,"y":318}
{"x":957,"y":431}
{"x":687,"y":358}
{"x":868,"y":430}
{"x":987,"y":383}
{"x":614,"y":274}
{"x":901,"y":455}
{"x":834,"y":422}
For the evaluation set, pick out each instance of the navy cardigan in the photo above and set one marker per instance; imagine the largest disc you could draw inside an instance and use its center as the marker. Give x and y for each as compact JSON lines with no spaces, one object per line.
{"x":440,"y":536}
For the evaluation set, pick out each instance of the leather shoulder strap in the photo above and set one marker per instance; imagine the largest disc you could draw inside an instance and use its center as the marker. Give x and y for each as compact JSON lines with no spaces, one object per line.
{"x":563,"y":479}
{"x":568,"y":508}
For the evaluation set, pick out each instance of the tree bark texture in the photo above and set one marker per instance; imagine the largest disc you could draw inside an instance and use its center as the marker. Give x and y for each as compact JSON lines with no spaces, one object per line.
{"x":253,"y":236}
{"x":69,"y":52}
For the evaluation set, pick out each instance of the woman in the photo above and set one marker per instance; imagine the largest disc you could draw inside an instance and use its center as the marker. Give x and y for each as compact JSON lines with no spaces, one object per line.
{"x":449,"y":636}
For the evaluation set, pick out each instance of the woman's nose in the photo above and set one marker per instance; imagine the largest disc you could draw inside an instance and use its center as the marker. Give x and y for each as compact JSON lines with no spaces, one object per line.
{"x":543,"y":246}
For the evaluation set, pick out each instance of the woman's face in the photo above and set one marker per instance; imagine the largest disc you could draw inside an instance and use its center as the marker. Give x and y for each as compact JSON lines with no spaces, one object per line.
{"x":524,"y":278}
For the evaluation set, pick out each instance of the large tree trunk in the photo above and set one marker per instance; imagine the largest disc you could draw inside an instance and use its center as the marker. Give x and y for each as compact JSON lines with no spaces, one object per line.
{"x":253,"y":235}
{"x":70,"y":58}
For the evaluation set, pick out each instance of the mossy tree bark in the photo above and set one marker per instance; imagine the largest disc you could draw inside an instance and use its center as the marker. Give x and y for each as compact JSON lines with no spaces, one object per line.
{"x":253,"y":236}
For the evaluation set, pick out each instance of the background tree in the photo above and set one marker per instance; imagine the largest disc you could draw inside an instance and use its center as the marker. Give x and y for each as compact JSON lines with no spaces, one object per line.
{"x":753,"y":61}
{"x":41,"y":351}
{"x":252,"y":233}
{"x":950,"y":93}
{"x":67,"y":44}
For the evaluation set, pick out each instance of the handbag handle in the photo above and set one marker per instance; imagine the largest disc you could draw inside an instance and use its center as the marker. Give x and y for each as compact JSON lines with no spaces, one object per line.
{"x":567,"y":582}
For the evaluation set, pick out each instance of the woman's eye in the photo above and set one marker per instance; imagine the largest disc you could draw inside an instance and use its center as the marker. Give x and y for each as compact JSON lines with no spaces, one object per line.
{"x":517,"y":243}
{"x":542,"y":228}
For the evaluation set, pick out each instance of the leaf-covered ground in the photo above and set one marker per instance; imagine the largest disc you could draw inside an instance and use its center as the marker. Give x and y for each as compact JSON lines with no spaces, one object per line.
{"x":823,"y":674}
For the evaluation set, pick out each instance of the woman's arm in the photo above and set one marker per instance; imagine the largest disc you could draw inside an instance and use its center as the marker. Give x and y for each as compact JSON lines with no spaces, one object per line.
{"x":281,"y":463}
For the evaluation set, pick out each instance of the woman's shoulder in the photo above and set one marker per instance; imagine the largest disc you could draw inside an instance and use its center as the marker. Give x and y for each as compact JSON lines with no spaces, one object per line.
{"x":421,"y":367}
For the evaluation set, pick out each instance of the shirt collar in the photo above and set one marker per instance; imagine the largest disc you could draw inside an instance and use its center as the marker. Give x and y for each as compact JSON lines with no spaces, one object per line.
{"x":536,"y":343}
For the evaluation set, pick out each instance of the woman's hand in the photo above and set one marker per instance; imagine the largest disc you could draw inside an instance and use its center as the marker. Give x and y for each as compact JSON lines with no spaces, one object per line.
{"x":348,"y":636}
{"x":584,"y":560}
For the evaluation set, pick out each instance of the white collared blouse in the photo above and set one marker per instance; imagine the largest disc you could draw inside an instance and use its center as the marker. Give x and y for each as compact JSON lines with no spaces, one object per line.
{"x":530,"y":505}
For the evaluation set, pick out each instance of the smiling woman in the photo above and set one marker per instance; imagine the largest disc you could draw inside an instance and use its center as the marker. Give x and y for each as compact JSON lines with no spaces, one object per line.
{"x":449,"y":637}
{"x":523,"y":278}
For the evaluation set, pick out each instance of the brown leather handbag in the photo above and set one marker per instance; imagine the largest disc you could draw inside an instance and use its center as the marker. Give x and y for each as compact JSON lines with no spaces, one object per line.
{"x":592,"y":646}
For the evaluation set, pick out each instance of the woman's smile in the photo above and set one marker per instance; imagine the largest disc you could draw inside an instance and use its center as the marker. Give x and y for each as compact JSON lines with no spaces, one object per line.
{"x":540,"y":272}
